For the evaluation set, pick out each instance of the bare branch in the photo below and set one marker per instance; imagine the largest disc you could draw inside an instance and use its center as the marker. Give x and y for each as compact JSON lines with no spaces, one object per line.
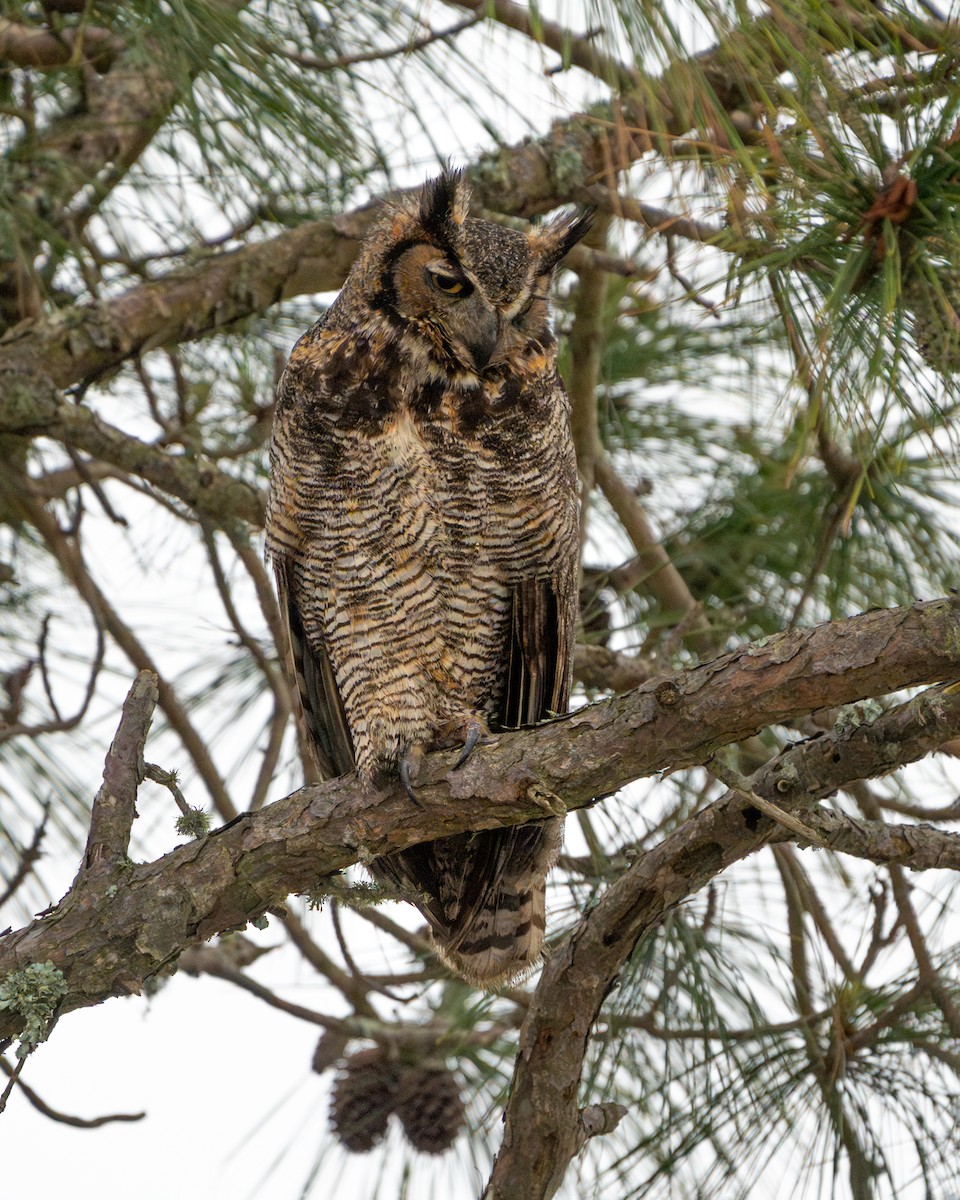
{"x":48,"y":49}
{"x":28,"y":856}
{"x":211,"y":960}
{"x":115,"y":804}
{"x":54,"y":1114}
{"x":409,"y":47}
{"x":32,"y":406}
{"x":105,"y":947}
{"x":542,"y":1114}
{"x":580,"y":51}
{"x":66,"y":551}
{"x":653,"y":566}
{"x":59,"y":723}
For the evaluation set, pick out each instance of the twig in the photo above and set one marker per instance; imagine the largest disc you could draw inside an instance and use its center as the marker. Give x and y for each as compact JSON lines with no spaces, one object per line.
{"x":29,"y":855}
{"x":114,"y":806}
{"x":419,"y":946}
{"x":660,"y":577}
{"x":210,"y":960}
{"x":689,"y":289}
{"x":168,"y":779}
{"x":737,"y":783}
{"x":13,"y":1074}
{"x":349,"y":60}
{"x":578,"y":50}
{"x":93,"y":483}
{"x":586,"y":348}
{"x":271,"y":754}
{"x":60,"y":724}
{"x":68,"y":554}
{"x":787,"y":857}
{"x":274,"y":677}
{"x":929,"y":976}
{"x":54,"y":1114}
{"x":348,"y":958}
{"x":352,"y":988}
{"x":662,"y":221}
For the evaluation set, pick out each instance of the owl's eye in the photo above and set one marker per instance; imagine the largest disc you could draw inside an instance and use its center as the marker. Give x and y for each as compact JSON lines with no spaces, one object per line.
{"x":448,"y":283}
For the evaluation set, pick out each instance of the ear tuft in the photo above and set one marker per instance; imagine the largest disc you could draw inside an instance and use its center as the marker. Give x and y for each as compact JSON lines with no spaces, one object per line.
{"x":550,"y":243}
{"x":444,"y":204}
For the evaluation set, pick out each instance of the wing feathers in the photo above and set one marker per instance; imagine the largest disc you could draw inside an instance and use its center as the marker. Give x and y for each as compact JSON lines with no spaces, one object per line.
{"x":320,"y":703}
{"x":540,"y":641}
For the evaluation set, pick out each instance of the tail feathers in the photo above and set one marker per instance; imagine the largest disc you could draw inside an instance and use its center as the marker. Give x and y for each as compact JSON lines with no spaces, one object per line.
{"x":484,"y":895}
{"x":503,"y":941}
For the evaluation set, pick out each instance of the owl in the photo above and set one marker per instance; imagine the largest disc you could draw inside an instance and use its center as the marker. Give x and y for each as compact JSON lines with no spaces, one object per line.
{"x":423,"y":524}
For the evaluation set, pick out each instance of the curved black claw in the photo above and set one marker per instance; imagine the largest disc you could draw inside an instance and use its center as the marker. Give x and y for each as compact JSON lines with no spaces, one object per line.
{"x":410,"y":759}
{"x":470,"y":742}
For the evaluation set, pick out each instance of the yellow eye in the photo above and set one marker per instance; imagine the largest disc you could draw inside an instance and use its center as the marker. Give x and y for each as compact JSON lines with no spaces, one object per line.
{"x":451,"y":285}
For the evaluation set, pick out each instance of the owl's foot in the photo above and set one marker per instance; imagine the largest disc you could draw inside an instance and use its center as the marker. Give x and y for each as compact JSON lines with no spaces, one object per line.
{"x":409,"y":766}
{"x":471,"y":731}
{"x":473,"y":734}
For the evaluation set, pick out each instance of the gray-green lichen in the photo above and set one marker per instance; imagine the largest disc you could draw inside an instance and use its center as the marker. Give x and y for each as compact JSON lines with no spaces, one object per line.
{"x":35,"y":992}
{"x":853,"y":716}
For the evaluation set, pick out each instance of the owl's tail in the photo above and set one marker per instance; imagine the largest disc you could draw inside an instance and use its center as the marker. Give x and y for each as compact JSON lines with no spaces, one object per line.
{"x":484,"y":895}
{"x":503,"y":941}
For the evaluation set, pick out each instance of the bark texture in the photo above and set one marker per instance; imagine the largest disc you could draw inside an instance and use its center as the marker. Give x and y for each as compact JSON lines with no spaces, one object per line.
{"x":123,"y":922}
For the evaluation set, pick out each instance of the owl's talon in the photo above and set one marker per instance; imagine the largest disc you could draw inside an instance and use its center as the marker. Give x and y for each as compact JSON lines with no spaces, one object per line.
{"x":409,"y":760}
{"x":474,"y":733}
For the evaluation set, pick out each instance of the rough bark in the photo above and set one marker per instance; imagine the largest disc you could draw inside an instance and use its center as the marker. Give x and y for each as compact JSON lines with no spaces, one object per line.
{"x":118,"y":926}
{"x":543,"y":1123}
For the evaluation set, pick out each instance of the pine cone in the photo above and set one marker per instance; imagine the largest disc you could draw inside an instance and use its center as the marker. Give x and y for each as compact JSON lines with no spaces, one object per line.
{"x":364,"y":1096}
{"x":430,"y":1108}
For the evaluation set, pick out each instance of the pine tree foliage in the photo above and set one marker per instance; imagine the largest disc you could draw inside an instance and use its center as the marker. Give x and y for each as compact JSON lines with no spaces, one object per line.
{"x":762,"y":347}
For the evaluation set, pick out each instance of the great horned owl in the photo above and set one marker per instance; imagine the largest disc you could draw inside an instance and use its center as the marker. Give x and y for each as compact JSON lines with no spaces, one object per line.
{"x":423,"y":524}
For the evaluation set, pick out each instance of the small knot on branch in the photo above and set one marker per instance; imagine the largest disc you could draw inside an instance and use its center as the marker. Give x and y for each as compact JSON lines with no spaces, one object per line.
{"x":598,"y":1119}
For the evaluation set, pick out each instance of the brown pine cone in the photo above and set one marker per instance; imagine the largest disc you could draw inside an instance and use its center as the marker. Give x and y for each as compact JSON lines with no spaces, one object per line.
{"x":364,"y":1095}
{"x":430,"y":1108}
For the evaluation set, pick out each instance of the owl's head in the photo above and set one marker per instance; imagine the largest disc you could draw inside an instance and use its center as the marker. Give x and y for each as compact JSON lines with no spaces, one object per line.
{"x":471,"y":292}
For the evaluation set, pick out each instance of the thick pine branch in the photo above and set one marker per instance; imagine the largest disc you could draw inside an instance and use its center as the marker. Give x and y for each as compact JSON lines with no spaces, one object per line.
{"x":117,"y":927}
{"x":544,"y":1127}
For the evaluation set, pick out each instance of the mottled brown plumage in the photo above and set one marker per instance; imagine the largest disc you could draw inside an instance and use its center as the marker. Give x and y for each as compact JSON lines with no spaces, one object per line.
{"x":422,"y":521}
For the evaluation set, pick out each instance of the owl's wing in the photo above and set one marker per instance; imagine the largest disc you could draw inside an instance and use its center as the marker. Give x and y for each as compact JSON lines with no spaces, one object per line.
{"x":320,"y":702}
{"x":538,"y":655}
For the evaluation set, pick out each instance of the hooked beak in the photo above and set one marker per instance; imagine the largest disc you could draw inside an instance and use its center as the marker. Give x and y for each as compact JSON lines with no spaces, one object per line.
{"x":484,"y":341}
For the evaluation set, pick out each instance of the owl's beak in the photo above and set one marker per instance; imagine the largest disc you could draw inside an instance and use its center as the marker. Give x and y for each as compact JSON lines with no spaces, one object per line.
{"x":484,"y":341}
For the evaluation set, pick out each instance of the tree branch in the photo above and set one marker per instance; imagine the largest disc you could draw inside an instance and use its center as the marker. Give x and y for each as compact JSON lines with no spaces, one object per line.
{"x":61,"y":1117}
{"x":47,"y":49}
{"x":107,"y":942}
{"x":542,"y":1113}
{"x":345,"y":61}
{"x":31,"y":405}
{"x":115,"y":804}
